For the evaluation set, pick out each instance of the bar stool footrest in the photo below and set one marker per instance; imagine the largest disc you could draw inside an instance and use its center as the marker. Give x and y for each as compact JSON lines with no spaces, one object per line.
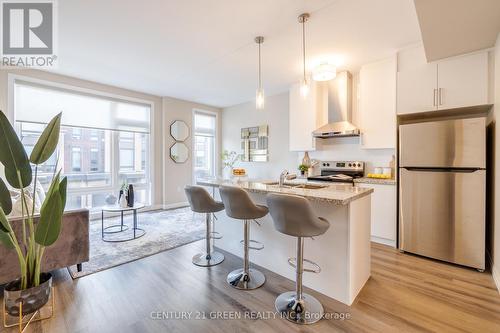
{"x":215,"y":235}
{"x":251,"y":241}
{"x":316,"y":268}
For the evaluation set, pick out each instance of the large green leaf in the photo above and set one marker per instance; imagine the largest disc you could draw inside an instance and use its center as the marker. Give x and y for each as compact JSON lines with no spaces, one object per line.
{"x":4,"y":223}
{"x":62,"y":191}
{"x":47,"y":143}
{"x":49,"y":224}
{"x":52,"y":188}
{"x":5,"y":240}
{"x":13,"y":156}
{"x":4,"y":230}
{"x":13,"y":179}
{"x":5,"y":200}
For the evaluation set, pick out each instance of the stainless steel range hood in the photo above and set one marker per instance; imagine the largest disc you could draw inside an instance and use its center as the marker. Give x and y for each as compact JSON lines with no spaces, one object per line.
{"x":339,"y":109}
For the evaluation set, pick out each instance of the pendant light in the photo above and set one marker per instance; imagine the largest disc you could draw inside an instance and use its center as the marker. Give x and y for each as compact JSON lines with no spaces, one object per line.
{"x":304,"y":86}
{"x":324,"y":72}
{"x":259,"y":96}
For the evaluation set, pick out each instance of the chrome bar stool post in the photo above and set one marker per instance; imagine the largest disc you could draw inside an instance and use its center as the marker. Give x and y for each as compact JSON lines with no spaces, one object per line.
{"x":239,"y":206}
{"x":201,"y":202}
{"x":300,"y":268}
{"x":293,"y":215}
{"x":246,"y":250}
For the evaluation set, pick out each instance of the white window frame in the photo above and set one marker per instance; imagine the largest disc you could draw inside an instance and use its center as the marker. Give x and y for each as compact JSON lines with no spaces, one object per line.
{"x":12,"y":78}
{"x":216,"y":139}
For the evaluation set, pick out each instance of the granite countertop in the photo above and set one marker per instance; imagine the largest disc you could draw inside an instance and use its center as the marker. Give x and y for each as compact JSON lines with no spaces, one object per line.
{"x":338,"y":194}
{"x":376,"y":181}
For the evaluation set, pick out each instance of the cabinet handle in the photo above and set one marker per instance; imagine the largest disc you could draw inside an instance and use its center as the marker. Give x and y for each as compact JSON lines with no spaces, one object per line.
{"x":434,"y":102}
{"x":440,"y":93}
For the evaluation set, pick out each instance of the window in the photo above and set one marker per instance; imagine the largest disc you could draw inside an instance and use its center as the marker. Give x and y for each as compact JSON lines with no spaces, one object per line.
{"x":127,"y":143}
{"x":204,"y":144}
{"x":94,"y":135}
{"x":103,"y":143}
{"x":94,"y":159}
{"x":77,"y":133}
{"x":76,"y":159}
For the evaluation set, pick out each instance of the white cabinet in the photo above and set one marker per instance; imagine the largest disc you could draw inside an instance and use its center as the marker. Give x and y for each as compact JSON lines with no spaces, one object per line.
{"x":305,"y":115}
{"x":417,"y":82}
{"x":446,"y":84}
{"x":384,"y":213}
{"x":463,"y":81}
{"x":377,"y":104}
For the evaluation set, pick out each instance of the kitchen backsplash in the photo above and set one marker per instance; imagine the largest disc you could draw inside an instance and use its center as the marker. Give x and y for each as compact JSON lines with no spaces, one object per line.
{"x":349,"y":149}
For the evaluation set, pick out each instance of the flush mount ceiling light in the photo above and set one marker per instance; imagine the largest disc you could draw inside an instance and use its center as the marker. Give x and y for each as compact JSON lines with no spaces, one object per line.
{"x":304,"y":86}
{"x":324,"y":72}
{"x":259,"y":96}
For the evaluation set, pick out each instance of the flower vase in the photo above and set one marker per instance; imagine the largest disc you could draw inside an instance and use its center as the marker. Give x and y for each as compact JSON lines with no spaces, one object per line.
{"x":227,"y":172}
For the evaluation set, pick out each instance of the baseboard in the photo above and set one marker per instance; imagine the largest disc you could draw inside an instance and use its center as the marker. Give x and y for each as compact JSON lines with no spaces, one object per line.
{"x":153,"y":207}
{"x":384,"y":241}
{"x":495,"y":273}
{"x":176,"y":205}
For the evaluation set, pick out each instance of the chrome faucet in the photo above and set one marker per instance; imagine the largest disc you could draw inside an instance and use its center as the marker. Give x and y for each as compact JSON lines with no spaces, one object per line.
{"x":283,"y":175}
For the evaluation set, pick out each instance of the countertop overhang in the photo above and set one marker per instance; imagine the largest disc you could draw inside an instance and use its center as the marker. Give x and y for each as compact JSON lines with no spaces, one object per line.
{"x":337,"y":194}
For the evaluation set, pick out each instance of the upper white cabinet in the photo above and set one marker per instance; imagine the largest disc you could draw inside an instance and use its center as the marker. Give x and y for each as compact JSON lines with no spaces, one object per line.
{"x":377,"y":104}
{"x":463,"y":81}
{"x":417,"y":82}
{"x":446,"y":84}
{"x":306,"y":114}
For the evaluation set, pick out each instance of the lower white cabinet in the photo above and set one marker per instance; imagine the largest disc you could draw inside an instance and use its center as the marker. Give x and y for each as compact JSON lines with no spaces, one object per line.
{"x":384,"y":213}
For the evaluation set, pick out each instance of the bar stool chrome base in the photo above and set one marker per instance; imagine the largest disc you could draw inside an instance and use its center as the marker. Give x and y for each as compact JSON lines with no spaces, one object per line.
{"x":306,"y":311}
{"x":207,"y":260}
{"x":253,"y":279}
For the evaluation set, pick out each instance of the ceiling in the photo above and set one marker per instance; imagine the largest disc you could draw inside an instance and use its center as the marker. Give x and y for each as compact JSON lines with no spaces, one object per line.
{"x":453,"y":27}
{"x":204,"y":51}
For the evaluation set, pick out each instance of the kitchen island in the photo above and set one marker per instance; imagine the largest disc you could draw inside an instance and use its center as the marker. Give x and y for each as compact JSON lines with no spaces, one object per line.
{"x":343,"y":252}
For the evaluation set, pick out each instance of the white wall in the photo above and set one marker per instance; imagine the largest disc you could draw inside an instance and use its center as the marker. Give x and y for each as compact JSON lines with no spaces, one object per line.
{"x":276,"y":116}
{"x":179,"y":175}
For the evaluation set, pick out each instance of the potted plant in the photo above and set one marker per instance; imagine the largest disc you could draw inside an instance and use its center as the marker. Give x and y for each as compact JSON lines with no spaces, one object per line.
{"x":303,"y":169}
{"x":33,"y":288}
{"x":229,"y":158}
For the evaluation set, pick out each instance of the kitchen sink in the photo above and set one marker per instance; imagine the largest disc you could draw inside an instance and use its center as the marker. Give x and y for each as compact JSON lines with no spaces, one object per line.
{"x":310,"y":186}
{"x":271,"y":182}
{"x":304,"y":186}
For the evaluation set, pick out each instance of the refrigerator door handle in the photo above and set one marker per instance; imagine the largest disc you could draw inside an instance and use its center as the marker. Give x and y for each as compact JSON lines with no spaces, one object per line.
{"x":456,"y":170}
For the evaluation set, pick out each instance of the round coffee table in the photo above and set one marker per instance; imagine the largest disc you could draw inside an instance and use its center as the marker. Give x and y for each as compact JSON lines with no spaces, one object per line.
{"x":119,"y":228}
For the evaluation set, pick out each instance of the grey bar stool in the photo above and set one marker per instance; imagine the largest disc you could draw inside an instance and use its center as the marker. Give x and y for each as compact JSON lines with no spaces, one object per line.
{"x":239,"y":206}
{"x":201,"y":202}
{"x":293,"y":215}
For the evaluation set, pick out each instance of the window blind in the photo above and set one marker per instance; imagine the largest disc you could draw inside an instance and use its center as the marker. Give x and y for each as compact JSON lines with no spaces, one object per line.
{"x":39,"y":103}
{"x":204,"y":124}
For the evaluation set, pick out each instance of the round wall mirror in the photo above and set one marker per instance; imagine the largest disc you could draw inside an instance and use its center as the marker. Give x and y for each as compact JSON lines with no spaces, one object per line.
{"x":179,"y":130}
{"x":179,"y":152}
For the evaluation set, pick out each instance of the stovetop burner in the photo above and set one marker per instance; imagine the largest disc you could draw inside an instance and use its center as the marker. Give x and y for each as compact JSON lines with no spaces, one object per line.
{"x":339,"y":171}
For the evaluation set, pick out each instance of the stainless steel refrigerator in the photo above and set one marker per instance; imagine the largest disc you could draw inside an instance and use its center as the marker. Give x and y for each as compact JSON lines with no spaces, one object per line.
{"x":442,"y":190}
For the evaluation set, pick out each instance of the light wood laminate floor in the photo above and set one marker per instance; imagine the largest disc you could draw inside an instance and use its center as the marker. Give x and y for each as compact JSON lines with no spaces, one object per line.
{"x":405,"y":293}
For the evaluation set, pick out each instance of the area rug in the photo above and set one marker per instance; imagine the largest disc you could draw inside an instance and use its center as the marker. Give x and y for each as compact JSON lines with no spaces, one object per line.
{"x":165,"y":229}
